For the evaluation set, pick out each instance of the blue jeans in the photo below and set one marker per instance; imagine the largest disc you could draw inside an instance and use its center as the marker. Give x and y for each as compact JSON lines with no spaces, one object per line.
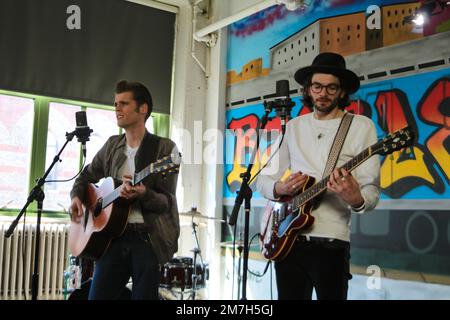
{"x":130,"y":255}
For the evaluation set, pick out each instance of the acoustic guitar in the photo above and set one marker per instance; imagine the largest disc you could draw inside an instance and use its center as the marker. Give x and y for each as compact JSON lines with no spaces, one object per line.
{"x":105,"y":213}
{"x":283,"y":219}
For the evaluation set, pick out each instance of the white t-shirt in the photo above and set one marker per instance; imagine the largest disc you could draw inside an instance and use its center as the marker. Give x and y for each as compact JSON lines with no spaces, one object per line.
{"x":128,"y":168}
{"x":305,"y":148}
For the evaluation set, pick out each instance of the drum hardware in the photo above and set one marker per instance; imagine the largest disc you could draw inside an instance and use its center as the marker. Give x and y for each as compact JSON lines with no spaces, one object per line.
{"x":195,"y":214}
{"x":184,"y":274}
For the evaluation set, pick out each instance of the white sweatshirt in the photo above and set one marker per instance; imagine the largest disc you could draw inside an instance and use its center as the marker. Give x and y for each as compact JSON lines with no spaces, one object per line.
{"x":305,"y":148}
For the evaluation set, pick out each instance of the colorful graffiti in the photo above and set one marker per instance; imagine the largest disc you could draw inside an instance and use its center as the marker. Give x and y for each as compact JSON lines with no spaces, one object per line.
{"x":434,"y":109}
{"x":252,"y":37}
{"x":263,"y":19}
{"x":260,"y":21}
{"x":409,"y":168}
{"x":424,"y":165}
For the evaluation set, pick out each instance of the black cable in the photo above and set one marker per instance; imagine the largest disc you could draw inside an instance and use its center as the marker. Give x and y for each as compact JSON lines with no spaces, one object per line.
{"x":268,"y":161}
{"x":82,"y":167}
{"x":267,"y":265}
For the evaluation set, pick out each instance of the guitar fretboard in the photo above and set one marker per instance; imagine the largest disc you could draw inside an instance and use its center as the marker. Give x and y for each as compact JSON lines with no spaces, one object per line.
{"x":160,"y":166}
{"x":141,"y":175}
{"x":321,"y":186}
{"x":111,"y":197}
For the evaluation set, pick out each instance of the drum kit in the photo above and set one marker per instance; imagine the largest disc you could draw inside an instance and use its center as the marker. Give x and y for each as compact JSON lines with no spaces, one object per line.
{"x":185,"y":275}
{"x":180,"y":279}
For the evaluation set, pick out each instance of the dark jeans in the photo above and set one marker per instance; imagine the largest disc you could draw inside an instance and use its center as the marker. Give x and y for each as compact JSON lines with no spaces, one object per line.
{"x":324,"y":266}
{"x":131,"y":254}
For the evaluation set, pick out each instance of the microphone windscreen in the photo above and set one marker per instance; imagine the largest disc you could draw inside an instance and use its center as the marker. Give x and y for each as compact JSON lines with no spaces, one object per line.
{"x":282,"y":87}
{"x":81,"y":119}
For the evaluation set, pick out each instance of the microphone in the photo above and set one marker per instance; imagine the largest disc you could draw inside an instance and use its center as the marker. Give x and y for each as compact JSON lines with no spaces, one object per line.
{"x":282,"y":88}
{"x":283,"y":105}
{"x":82,"y":130}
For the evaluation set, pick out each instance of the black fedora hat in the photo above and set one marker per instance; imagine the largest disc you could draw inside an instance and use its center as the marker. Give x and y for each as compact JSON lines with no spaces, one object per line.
{"x":330,"y":63}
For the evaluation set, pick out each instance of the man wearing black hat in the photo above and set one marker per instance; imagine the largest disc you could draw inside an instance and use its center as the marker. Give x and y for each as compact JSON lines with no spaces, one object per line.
{"x":151,"y":235}
{"x":320,"y":255}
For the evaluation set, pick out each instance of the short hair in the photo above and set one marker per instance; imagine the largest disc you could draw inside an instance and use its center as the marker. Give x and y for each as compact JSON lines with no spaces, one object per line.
{"x":140,"y":93}
{"x":307,"y":100}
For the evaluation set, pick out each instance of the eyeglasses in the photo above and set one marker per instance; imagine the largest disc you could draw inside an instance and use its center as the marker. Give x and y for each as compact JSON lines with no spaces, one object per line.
{"x":331,"y":88}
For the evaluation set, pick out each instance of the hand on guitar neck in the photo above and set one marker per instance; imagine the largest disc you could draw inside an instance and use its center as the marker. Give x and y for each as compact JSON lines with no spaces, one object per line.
{"x":291,"y":186}
{"x":130,"y":192}
{"x":343,"y":184}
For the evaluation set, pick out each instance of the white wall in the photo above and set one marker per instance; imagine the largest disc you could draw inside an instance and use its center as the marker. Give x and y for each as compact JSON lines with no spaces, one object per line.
{"x":198,"y":104}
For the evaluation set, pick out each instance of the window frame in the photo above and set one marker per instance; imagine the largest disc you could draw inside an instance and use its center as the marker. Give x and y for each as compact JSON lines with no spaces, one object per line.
{"x":161,"y":125}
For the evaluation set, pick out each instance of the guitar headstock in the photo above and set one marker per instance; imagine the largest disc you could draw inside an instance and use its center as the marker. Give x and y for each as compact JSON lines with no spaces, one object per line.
{"x":394,"y":141}
{"x":167,"y":165}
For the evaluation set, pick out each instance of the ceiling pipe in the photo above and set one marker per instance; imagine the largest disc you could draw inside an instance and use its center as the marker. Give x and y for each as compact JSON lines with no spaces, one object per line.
{"x":209,"y":39}
{"x":200,"y":34}
{"x":207,"y":34}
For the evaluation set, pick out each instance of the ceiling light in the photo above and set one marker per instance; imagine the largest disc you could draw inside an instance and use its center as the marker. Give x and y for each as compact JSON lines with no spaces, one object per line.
{"x":426,"y":10}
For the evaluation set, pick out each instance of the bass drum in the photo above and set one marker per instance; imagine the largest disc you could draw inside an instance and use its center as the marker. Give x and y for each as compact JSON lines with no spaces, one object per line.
{"x":177,"y":274}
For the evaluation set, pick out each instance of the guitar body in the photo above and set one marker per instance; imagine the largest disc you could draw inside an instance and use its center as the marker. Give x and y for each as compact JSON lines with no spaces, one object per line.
{"x":105,"y":213}
{"x":91,"y":237}
{"x":281,"y":224}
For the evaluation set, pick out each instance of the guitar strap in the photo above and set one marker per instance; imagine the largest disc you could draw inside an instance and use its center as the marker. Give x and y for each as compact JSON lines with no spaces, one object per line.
{"x":338,"y":142}
{"x":149,"y":153}
{"x":335,"y":150}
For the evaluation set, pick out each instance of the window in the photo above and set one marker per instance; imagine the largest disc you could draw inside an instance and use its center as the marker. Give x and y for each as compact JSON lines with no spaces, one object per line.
{"x":149,"y":124}
{"x":29,"y":143}
{"x":61,"y":120}
{"x":103,"y":123}
{"x":16,"y":130}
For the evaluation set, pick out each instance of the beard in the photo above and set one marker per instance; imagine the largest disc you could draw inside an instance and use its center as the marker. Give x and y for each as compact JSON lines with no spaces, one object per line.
{"x":326,"y":108}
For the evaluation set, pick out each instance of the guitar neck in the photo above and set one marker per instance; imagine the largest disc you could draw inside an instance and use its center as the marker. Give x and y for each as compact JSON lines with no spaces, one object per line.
{"x":144,"y":173}
{"x":321,"y":186}
{"x":138,"y":177}
{"x":110,"y":198}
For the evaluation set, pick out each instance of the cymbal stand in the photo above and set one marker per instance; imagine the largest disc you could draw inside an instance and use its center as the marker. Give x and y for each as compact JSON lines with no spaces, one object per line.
{"x":196,"y":251}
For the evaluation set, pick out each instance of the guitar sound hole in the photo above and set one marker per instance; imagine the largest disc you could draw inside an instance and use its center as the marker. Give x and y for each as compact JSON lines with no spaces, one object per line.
{"x":86,"y":216}
{"x":98,"y":207}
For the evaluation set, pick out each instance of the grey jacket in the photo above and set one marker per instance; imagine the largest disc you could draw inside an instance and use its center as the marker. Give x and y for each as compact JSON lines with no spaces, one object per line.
{"x":159,"y":205}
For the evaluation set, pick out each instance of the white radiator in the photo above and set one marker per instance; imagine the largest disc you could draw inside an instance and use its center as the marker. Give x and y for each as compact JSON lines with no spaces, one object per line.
{"x":17,"y":265}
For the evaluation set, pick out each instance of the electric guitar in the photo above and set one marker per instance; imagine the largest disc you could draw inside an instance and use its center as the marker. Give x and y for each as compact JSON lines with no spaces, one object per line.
{"x":283,"y":219}
{"x":105,"y":214}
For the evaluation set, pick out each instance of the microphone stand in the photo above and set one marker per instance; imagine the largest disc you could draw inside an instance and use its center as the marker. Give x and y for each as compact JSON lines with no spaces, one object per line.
{"x":283,"y":107}
{"x":245,"y":193}
{"x":37,"y":194}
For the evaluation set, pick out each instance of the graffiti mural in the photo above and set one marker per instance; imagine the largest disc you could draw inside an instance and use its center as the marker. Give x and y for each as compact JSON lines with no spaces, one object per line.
{"x":405,"y":81}
{"x":419,"y":172}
